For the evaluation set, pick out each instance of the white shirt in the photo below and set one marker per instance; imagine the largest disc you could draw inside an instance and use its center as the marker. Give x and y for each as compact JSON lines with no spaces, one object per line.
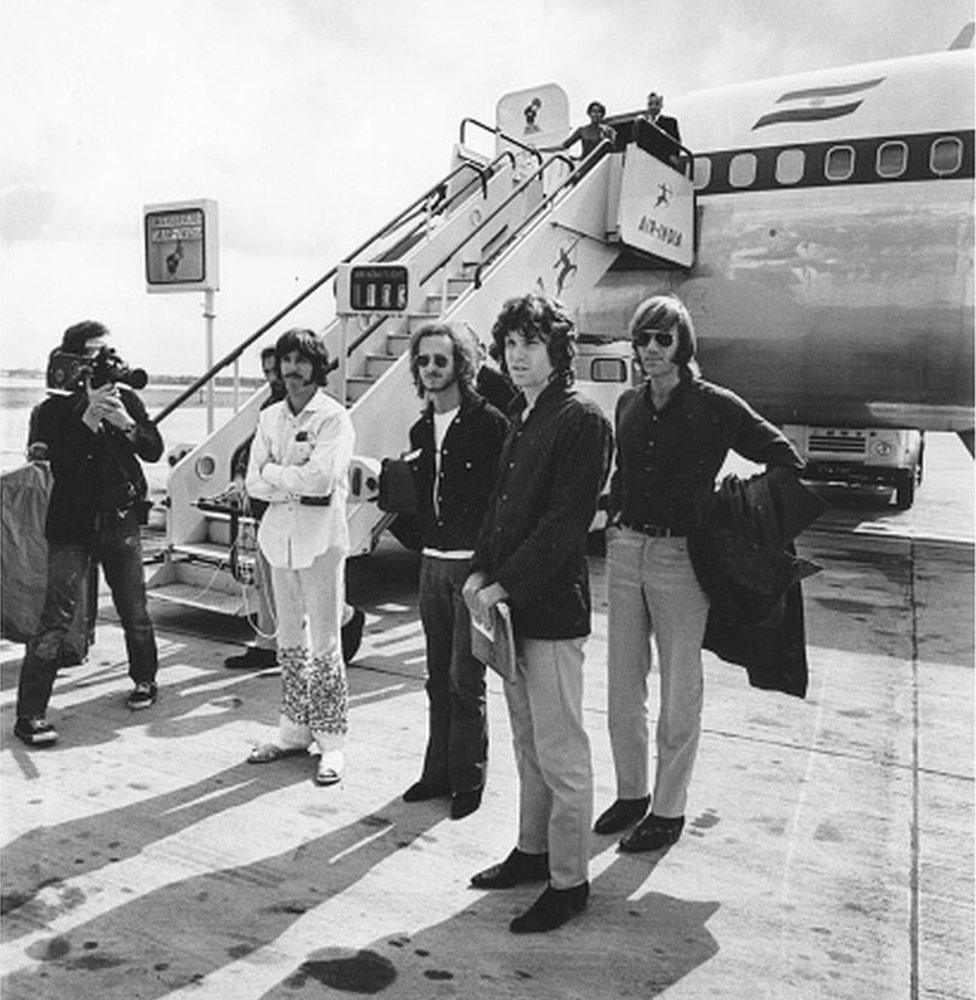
{"x":296,"y":455}
{"x":442,"y":421}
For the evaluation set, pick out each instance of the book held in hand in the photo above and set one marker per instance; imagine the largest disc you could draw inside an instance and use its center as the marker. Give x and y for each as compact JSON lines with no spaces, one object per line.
{"x":494,"y":644}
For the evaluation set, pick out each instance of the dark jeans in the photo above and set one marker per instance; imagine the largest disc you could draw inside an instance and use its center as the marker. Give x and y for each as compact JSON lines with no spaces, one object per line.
{"x":118,"y":548}
{"x":457,"y":745}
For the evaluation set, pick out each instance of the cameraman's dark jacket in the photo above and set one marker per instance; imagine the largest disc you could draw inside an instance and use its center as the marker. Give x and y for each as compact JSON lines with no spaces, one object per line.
{"x":94,"y":473}
{"x":742,"y":553}
{"x":470,"y":452}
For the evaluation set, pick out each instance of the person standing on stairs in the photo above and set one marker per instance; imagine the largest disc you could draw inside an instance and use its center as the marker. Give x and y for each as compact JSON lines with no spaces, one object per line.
{"x":457,"y":442}
{"x":299,"y":465}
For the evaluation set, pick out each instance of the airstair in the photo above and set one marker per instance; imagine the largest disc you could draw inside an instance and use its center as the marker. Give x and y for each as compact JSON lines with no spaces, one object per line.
{"x":489,"y":230}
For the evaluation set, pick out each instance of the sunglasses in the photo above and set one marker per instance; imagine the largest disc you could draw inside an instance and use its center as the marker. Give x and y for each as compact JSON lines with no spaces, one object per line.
{"x":663,"y":338}
{"x":438,"y":360}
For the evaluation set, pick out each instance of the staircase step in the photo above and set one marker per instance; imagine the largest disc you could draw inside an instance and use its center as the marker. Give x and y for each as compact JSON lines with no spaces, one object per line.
{"x":190,"y":595}
{"x":397,"y":343}
{"x":376,"y":364}
{"x":439,"y":303}
{"x":208,"y":552}
{"x":356,"y":387}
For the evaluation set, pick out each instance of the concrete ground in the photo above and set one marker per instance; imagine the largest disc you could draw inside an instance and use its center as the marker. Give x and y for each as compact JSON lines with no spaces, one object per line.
{"x":828,"y":851}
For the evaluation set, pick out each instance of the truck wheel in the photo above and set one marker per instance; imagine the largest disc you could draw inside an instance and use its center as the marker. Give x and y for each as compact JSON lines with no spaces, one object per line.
{"x":905,"y":492}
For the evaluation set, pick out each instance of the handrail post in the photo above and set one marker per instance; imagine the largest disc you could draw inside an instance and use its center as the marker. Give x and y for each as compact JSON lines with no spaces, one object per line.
{"x":341,"y":371}
{"x":208,"y":314}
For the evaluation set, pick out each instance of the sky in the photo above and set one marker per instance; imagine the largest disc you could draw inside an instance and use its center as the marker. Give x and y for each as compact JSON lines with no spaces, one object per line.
{"x":313,"y":122}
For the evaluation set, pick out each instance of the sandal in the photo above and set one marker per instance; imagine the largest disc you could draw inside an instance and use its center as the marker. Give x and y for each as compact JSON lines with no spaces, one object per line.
{"x":330,"y":769}
{"x":267,"y":752}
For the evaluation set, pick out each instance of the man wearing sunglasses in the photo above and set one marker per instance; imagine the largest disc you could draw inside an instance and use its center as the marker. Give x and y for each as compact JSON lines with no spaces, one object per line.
{"x":673,"y":435}
{"x":456,"y":444}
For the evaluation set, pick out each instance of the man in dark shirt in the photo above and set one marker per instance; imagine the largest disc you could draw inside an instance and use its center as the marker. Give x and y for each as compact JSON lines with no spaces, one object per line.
{"x":664,"y":138}
{"x":95,"y":437}
{"x":456,"y":444}
{"x":531,"y":552}
{"x":673,"y":435}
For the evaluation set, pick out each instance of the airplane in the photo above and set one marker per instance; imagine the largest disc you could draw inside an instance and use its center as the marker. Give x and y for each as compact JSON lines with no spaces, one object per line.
{"x":833,"y":282}
{"x":819,"y":228}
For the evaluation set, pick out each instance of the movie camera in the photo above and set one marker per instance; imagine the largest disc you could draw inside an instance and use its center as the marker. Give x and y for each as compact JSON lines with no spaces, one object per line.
{"x":67,"y":371}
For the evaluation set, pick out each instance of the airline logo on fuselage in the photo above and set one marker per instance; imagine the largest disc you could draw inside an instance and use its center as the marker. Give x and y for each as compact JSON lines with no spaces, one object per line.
{"x":817,"y":104}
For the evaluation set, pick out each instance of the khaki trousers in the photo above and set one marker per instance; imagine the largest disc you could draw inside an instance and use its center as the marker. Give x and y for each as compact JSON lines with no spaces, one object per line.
{"x":552,"y":754}
{"x":653,"y":592}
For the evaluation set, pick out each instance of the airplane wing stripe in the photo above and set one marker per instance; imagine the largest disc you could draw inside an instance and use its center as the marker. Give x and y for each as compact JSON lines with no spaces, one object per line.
{"x":838,"y":91}
{"x":807,"y":114}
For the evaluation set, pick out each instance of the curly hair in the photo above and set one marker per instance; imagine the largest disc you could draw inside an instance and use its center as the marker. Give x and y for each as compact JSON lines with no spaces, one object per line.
{"x":309,"y":346}
{"x":463,"y":349}
{"x":537,"y":317}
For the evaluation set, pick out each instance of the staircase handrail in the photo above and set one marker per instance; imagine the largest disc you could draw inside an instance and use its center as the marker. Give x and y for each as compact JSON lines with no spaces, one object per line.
{"x":535,"y":175}
{"x":374,"y":326}
{"x":687,"y":160}
{"x":234,"y":354}
{"x":579,"y":169}
{"x":498,"y":132}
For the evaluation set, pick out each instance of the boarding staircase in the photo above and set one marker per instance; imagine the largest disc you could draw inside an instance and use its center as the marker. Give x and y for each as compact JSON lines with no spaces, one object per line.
{"x":489,"y":230}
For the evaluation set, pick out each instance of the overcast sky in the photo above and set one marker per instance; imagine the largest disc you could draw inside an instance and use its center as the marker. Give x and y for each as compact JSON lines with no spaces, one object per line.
{"x":312,"y":122}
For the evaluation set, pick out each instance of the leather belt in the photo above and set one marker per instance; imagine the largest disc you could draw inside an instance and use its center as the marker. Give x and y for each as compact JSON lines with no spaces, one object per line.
{"x":316,"y":501}
{"x":657,"y":530}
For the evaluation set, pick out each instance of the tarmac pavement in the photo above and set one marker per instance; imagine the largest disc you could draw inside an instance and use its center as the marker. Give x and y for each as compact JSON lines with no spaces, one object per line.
{"x":828,"y":851}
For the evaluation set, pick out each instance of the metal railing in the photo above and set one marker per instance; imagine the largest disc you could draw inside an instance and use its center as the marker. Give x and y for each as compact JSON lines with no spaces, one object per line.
{"x":498,"y":132}
{"x":576,"y":171}
{"x":385,"y":230}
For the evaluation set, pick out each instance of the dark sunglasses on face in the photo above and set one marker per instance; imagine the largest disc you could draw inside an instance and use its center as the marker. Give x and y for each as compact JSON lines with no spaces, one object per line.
{"x":439,"y":360}
{"x":663,"y":338}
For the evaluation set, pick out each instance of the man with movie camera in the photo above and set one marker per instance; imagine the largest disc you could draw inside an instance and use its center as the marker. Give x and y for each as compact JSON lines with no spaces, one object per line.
{"x":95,"y":429}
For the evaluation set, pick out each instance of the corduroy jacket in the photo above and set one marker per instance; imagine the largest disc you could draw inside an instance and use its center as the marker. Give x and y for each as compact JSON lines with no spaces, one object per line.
{"x":533,"y":538}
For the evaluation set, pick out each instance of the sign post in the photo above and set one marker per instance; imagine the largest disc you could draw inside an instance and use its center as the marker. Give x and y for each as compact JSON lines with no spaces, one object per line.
{"x":181,"y":254}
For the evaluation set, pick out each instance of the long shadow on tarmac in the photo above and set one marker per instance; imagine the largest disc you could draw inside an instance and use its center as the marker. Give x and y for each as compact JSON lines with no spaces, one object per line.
{"x":180,"y":933}
{"x":177,"y":934}
{"x":655,"y":941}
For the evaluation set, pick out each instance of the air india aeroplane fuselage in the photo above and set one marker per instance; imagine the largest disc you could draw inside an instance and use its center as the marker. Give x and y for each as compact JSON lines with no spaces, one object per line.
{"x":833,"y":282}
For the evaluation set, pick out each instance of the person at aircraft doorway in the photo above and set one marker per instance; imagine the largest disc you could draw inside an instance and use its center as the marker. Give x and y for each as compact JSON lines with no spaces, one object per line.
{"x":590,"y":135}
{"x":531,"y":553}
{"x":95,"y":436}
{"x":262,"y":654}
{"x":672,"y":437}
{"x":299,"y":465}
{"x":455,"y":448}
{"x":661,"y":145}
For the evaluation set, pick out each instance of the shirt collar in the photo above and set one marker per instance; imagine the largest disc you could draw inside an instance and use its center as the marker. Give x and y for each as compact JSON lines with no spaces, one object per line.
{"x":683,"y":386}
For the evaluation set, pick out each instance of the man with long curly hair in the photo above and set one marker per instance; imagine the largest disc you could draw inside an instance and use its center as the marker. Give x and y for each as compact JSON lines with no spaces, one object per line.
{"x":531,"y":552}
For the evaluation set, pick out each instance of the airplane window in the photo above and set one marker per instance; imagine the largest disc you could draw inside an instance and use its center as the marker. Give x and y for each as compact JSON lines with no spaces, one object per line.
{"x":789,"y":166}
{"x":892,"y":159}
{"x":946,"y":155}
{"x":839,"y":164}
{"x":742,"y":170}
{"x":703,"y":172}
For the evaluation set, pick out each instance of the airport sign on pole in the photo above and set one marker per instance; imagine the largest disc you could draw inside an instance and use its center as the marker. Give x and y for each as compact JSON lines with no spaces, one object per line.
{"x":180,"y":243}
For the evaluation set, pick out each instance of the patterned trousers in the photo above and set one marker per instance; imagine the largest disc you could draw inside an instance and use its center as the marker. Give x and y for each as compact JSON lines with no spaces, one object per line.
{"x":314,"y":691}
